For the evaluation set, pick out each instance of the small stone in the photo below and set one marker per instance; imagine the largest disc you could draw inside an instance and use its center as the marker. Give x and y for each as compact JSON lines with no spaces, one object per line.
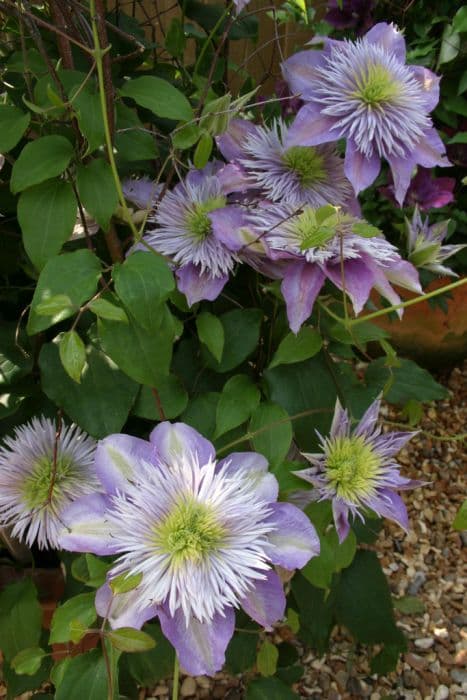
{"x":441,"y":632}
{"x":160,"y":690}
{"x":459,"y":675}
{"x":424,"y":643}
{"x":442,"y":693}
{"x":461,"y":657}
{"x":411,"y":679}
{"x":342,"y":678}
{"x":188,"y":687}
{"x":418,"y":581}
{"x":460,"y":620}
{"x":354,"y":687}
{"x":203,"y":681}
{"x":416,"y":662}
{"x":218,"y":692}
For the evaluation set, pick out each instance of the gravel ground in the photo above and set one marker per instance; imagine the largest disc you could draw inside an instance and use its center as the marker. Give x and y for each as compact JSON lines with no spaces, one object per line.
{"x":428,"y":562}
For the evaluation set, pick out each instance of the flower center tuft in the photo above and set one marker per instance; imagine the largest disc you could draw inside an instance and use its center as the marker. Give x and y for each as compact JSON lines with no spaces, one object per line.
{"x":312,"y":232}
{"x":352,"y":467}
{"x":306,"y":163}
{"x":38,"y":487}
{"x":190,"y":532}
{"x":376,"y":85}
{"x":198,"y":221}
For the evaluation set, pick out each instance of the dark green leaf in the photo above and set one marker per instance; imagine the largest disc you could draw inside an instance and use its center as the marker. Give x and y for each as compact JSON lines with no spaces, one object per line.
{"x":97,"y":191}
{"x":241,"y":652}
{"x":47,"y":215}
{"x":408,"y":381}
{"x":79,"y":609}
{"x":316,"y":610}
{"x":28,"y":661}
{"x":203,"y":150}
{"x":89,"y":114}
{"x":211,"y":333}
{"x":409,"y":605}
{"x":238,"y":400}
{"x":13,"y":363}
{"x":101,"y":402}
{"x":74,"y":275}
{"x":175,"y":38}
{"x":85,"y":677}
{"x":20,"y":618}
{"x":269,"y":689}
{"x":46,"y":157}
{"x":241,"y":335}
{"x":296,"y":348}
{"x":332,"y":558}
{"x":159,"y":96}
{"x":266,"y":660}
{"x":186,"y":136}
{"x":201,"y":413}
{"x":90,"y":569}
{"x":151,"y":666}
{"x":172,"y":396}
{"x":72,"y":354}
{"x":130,"y":640}
{"x":13,"y":124}
{"x":386,"y":660}
{"x":273,"y":431}
{"x":460,"y":19}
{"x":55,"y":305}
{"x":143,"y":282}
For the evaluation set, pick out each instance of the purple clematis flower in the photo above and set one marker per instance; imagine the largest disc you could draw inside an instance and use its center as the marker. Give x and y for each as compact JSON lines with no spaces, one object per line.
{"x":425,"y":192}
{"x":184,"y":230}
{"x":424,"y":243}
{"x":201,"y":537}
{"x":297,"y":175}
{"x":142,"y":191}
{"x":348,"y":14}
{"x":240,"y":4}
{"x":35,"y":486}
{"x":312,"y":244}
{"x":364,"y":92}
{"x":357,"y":470}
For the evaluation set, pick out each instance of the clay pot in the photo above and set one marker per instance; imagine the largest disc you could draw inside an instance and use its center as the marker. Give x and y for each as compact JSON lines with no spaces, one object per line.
{"x":426,"y":334}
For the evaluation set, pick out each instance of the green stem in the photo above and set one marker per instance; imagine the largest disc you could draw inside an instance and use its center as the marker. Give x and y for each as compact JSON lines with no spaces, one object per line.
{"x":404,"y":304}
{"x":98,"y":53}
{"x":176,"y":678}
{"x":209,"y":39}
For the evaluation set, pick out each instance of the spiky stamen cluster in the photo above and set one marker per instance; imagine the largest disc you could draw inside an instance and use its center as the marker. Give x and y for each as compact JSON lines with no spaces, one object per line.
{"x":352,"y":468}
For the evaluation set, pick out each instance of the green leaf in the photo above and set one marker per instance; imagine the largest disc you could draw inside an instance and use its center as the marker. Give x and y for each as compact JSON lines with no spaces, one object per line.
{"x":13,"y":124}
{"x":88,"y":112}
{"x":150,"y":351}
{"x":460,"y":19}
{"x":101,"y":402}
{"x":316,"y":613}
{"x":13,"y":363}
{"x":143,"y":282}
{"x":186,"y":136}
{"x":409,"y":381}
{"x":28,"y":661}
{"x":358,"y":335}
{"x":269,"y":689}
{"x":159,"y":96}
{"x":363,"y":602}
{"x":460,"y":521}
{"x":79,"y":609}
{"x":211,"y":333}
{"x":201,"y":413}
{"x":105,"y":309}
{"x":74,"y":275}
{"x":241,"y":336}
{"x":90,"y":569}
{"x":203,"y":150}
{"x":296,"y":348}
{"x":97,"y":191}
{"x":172,"y":395}
{"x":125,"y":583}
{"x":237,"y":402}
{"x":85,"y":676}
{"x":450,"y":45}
{"x":409,"y":605}
{"x":130,"y":640}
{"x":241,"y":652}
{"x":175,"y":38}
{"x":273,"y":431}
{"x":266,"y":660}
{"x":55,"y":305}
{"x":47,"y":216}
{"x":386,"y":660}
{"x":20,"y":618}
{"x":151,"y":666}
{"x":461,"y":137}
{"x":333,"y":557}
{"x":72,"y":354}
{"x":46,"y":157}
{"x":216,"y":114}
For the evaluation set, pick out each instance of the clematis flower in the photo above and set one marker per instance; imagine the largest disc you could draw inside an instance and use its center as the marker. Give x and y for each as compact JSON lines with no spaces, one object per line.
{"x":364,"y":92}
{"x":202,"y":536}
{"x":297,"y":175}
{"x":240,"y":4}
{"x":184,"y":230}
{"x":425,"y":191}
{"x":318,"y":244}
{"x":356,"y":469}
{"x":142,"y":191}
{"x":424,"y":243}
{"x":33,"y":490}
{"x":347,"y":14}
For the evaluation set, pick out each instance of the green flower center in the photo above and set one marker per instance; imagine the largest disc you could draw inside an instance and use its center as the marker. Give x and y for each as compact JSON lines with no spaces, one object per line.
{"x":38,"y":488}
{"x":306,"y":163}
{"x":190,"y":532}
{"x":352,"y":467}
{"x":314,"y":228}
{"x":376,"y":86}
{"x":198,"y":221}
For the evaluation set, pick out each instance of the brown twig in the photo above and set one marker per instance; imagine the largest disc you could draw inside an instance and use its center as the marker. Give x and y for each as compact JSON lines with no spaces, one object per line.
{"x":63,"y":42}
{"x":160,"y":408}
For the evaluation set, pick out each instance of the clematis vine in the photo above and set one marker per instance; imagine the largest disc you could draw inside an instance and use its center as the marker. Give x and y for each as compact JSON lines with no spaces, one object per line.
{"x":182,"y":228}
{"x":200,"y":538}
{"x":364,"y":92}
{"x":313,"y":245}
{"x":297,"y":175}
{"x":425,"y":245}
{"x":356,"y":469}
{"x":42,"y":470}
